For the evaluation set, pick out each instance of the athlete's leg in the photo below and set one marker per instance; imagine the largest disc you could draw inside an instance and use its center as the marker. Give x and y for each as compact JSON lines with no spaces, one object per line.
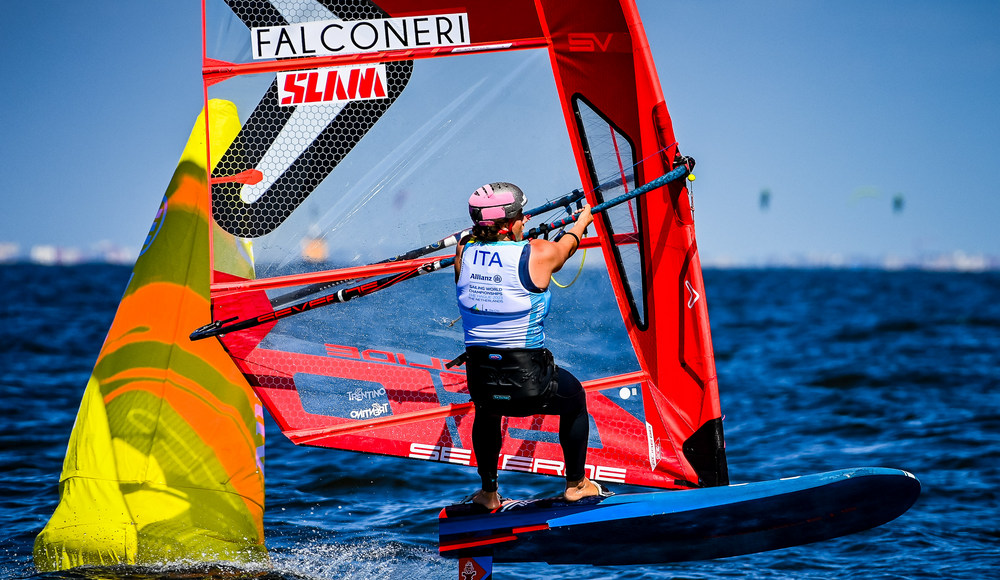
{"x":570,"y":403}
{"x":486,"y":442}
{"x":574,"y":424}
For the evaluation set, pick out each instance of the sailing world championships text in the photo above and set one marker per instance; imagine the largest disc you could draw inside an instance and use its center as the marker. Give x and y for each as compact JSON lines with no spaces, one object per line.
{"x":332,"y":37}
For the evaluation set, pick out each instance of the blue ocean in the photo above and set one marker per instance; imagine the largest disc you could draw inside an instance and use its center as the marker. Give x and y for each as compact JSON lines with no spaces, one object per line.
{"x":818,"y":370}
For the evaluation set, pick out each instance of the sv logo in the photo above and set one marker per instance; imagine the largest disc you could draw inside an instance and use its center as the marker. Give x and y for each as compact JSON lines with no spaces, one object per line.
{"x":588,"y":42}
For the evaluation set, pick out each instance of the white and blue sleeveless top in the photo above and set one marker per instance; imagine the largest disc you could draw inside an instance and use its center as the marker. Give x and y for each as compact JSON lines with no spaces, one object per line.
{"x":501,"y":307}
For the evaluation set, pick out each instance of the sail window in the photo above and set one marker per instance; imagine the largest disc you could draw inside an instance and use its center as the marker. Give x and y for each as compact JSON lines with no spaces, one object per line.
{"x":611,"y":160}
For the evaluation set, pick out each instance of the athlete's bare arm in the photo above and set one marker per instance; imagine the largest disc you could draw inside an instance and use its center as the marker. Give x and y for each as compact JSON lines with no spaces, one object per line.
{"x":458,"y":256}
{"x":548,"y":257}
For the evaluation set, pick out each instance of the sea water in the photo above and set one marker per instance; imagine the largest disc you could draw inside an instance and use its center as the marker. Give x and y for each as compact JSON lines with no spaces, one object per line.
{"x":818,"y":370}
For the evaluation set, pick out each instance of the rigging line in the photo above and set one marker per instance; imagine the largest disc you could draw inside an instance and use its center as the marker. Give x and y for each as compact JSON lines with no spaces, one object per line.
{"x":446,"y":242}
{"x":578,"y":272}
{"x":621,"y":170}
{"x":311,"y":289}
{"x":624,"y":184}
{"x":453,"y":239}
{"x":224,"y":326}
{"x":326,"y":276}
{"x":402,"y":160}
{"x":678,"y":172}
{"x":410,"y":155}
{"x":563,"y":201}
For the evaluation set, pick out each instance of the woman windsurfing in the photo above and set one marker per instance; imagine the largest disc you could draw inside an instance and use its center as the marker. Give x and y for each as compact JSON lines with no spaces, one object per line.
{"x":502,"y":287}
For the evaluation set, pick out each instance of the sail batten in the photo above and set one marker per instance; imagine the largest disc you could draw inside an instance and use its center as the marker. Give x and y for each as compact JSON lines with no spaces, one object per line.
{"x":306,"y":436}
{"x":337,"y":275}
{"x":368,"y":270}
{"x":215,"y":71}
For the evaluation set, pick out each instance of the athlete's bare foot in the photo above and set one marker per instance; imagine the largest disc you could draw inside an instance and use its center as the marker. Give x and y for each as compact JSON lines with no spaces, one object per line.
{"x":576,"y":491}
{"x":488,"y":499}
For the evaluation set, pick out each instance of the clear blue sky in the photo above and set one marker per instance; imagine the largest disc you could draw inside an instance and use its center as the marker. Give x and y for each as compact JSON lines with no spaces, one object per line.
{"x":835,"y":107}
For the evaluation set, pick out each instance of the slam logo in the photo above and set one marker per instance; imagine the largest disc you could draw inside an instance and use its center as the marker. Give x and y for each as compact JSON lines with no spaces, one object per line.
{"x":332,"y":85}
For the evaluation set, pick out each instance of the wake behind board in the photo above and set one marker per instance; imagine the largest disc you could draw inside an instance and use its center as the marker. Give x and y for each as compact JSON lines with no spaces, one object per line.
{"x":674,"y":526}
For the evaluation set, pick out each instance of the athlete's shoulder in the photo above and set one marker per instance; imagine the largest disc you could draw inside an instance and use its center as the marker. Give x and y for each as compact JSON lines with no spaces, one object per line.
{"x":543,"y":249}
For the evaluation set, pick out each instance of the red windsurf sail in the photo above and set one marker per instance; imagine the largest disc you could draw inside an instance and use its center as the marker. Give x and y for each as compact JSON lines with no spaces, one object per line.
{"x":365,"y":125}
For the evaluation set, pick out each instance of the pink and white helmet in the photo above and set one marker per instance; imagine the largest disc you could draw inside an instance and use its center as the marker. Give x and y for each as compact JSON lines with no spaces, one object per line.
{"x":496,"y":201}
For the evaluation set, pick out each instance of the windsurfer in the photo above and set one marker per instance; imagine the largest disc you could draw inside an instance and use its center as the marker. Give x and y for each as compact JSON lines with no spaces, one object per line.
{"x":502,"y":287}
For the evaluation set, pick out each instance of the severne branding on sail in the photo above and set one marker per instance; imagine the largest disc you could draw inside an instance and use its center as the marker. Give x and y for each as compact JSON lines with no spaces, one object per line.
{"x":340,"y":37}
{"x":368,"y":129}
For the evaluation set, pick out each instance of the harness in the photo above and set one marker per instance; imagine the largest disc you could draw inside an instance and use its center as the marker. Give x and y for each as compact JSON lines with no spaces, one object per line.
{"x":515,"y":382}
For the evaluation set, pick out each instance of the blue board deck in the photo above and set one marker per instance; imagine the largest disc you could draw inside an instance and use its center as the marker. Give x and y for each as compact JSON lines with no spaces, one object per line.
{"x":674,"y":526}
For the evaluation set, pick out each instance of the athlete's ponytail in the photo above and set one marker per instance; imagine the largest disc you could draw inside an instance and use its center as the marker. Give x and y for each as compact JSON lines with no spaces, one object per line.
{"x":492,"y":232}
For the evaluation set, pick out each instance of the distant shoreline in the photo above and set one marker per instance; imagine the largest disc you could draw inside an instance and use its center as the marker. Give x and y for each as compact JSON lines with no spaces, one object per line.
{"x":954,"y":262}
